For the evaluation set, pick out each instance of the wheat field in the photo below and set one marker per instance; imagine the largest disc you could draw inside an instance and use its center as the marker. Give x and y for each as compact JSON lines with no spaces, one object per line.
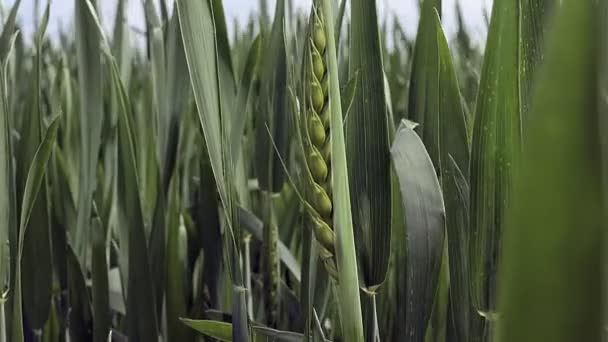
{"x":305,"y":176}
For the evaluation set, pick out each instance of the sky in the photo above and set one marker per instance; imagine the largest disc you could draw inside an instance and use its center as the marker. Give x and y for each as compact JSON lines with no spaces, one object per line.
{"x":405,"y":10}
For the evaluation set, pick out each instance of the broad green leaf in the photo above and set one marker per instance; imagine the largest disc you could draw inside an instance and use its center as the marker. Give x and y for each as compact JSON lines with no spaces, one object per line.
{"x":141,"y":307}
{"x":533,"y":20}
{"x":121,"y":40}
{"x":176,"y":297}
{"x":453,"y":136}
{"x":346,"y":254}
{"x":248,"y":76}
{"x":7,"y":31}
{"x":8,"y":214}
{"x":223,"y":331}
{"x":241,"y":116}
{"x":272,"y":123}
{"x":227,"y":74}
{"x":551,"y":282}
{"x":152,"y":19}
{"x":218,"y":330}
{"x":34,"y":182}
{"x":36,"y":262}
{"x":91,"y":118}
{"x":264,"y":333}
{"x":198,"y":27}
{"x":309,"y":275}
{"x":603,"y":124}
{"x":453,"y":143}
{"x":368,"y":147}
{"x":466,"y":322}
{"x":425,"y":221}
{"x":391,"y":314}
{"x":178,"y":81}
{"x":271,"y":143}
{"x":157,"y":168}
{"x":436,"y":329}
{"x":496,"y":146}
{"x":159,"y":85}
{"x":207,"y":221}
{"x":80,"y":315}
{"x":348,"y":97}
{"x":100,"y":284}
{"x":340,"y":21}
{"x":423,"y":91}
{"x":513,"y":52}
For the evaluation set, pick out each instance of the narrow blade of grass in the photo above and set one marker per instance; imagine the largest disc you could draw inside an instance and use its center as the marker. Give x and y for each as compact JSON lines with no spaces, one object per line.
{"x":454,"y":155}
{"x":80,"y":315}
{"x":273,"y":108}
{"x":533,"y":23}
{"x":346,"y":255}
{"x":176,"y":271}
{"x":215,"y":329}
{"x":100,"y":285}
{"x":8,"y":30}
{"x":141,"y":308}
{"x":91,"y":118}
{"x":423,"y":91}
{"x":36,"y":262}
{"x":35,"y":178}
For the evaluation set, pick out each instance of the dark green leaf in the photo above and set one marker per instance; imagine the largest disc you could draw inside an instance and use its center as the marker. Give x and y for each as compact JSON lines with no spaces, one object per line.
{"x":198,"y":27}
{"x":496,"y":146}
{"x":80,"y":319}
{"x":453,"y":141}
{"x":100,"y":285}
{"x":141,"y":307}
{"x":35,"y":178}
{"x":368,"y":147}
{"x":176,"y":271}
{"x":36,"y":262}
{"x":7,"y":200}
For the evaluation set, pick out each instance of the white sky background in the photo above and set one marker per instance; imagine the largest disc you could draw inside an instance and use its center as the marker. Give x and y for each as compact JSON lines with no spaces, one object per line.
{"x":406,"y":11}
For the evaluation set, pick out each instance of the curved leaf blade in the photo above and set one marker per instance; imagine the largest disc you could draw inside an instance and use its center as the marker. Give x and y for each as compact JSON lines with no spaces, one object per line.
{"x":425,"y":222}
{"x":35,"y":178}
{"x":215,"y":329}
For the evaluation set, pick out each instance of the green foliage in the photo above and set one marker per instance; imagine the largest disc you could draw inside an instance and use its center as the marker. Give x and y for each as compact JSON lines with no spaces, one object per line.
{"x":207,"y":180}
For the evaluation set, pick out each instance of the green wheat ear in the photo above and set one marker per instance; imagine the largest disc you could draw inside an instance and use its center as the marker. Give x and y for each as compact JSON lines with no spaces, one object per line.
{"x":315,"y":133}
